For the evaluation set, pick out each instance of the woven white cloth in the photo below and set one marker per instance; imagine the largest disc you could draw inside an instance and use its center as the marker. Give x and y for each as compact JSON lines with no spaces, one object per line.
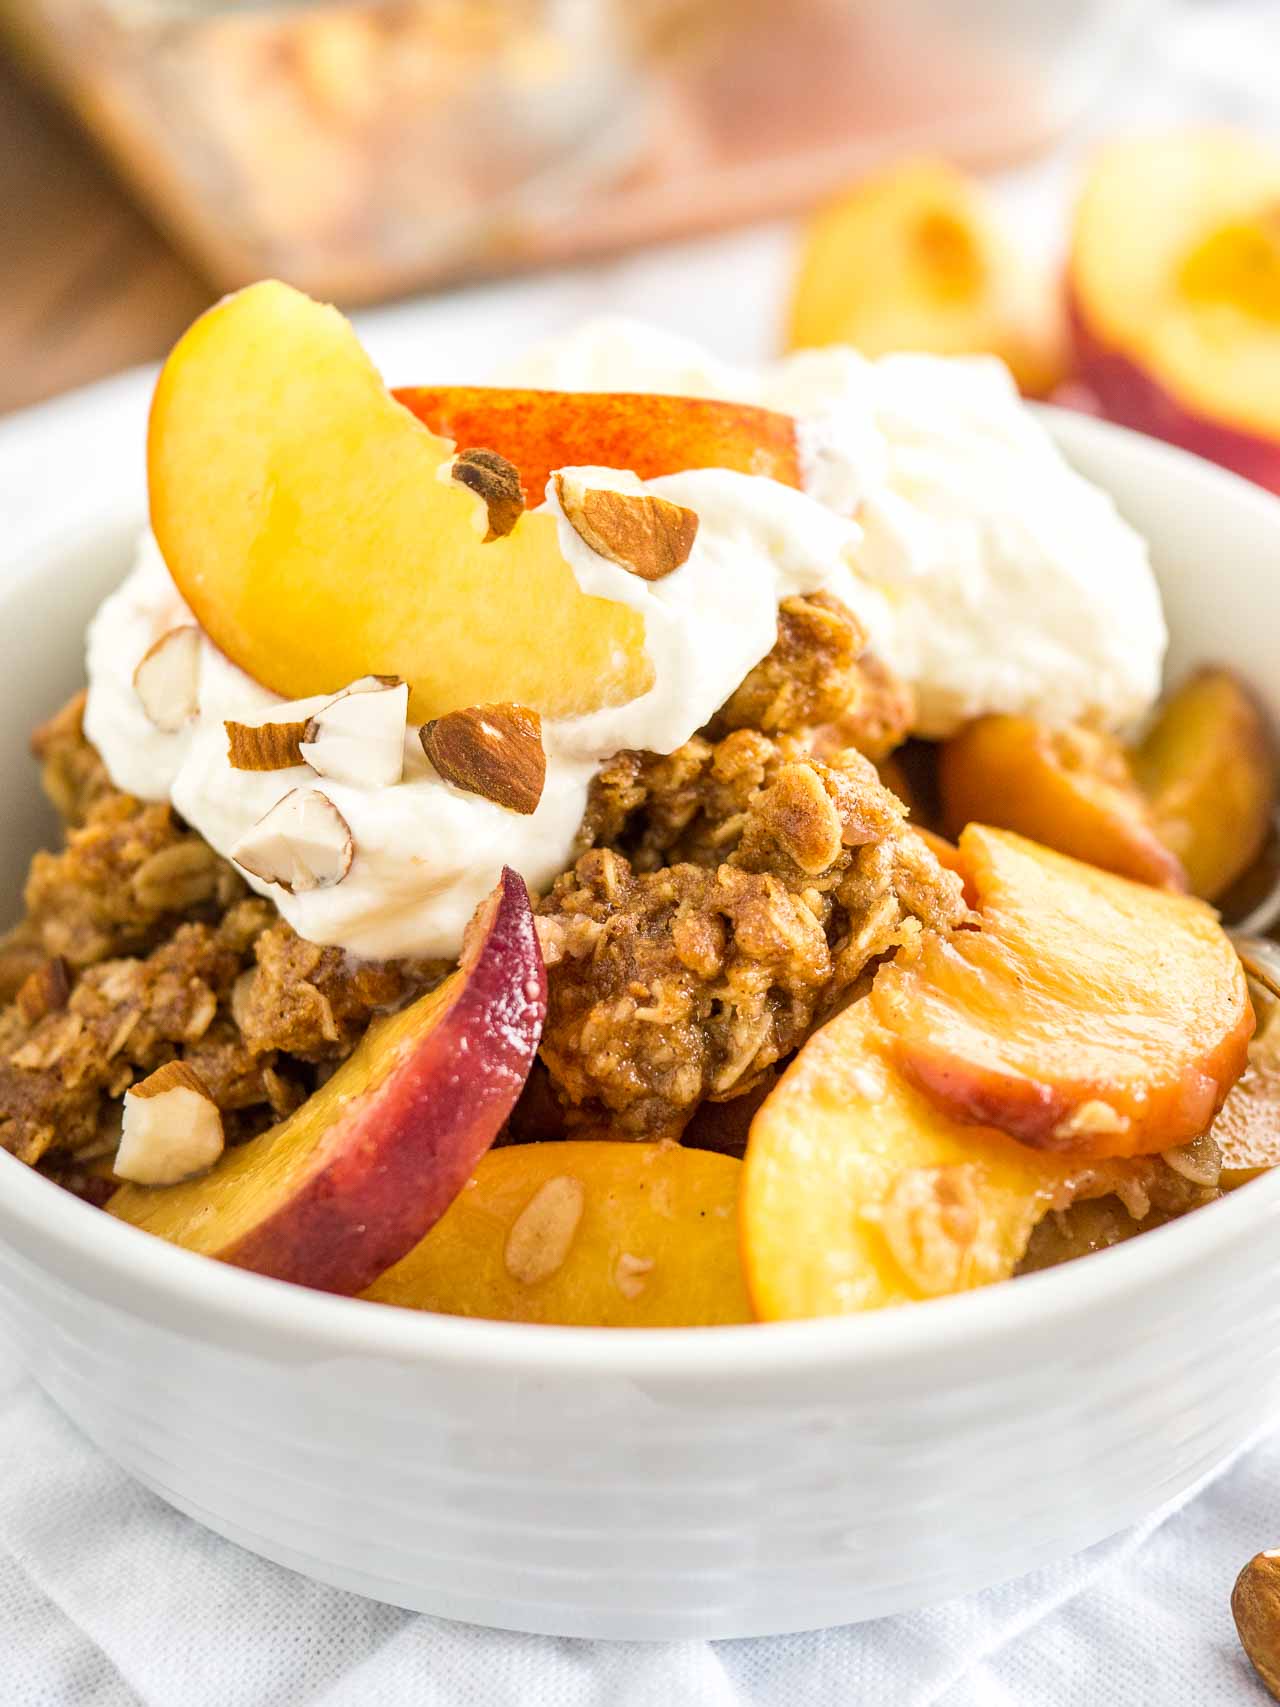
{"x":108,"y":1597}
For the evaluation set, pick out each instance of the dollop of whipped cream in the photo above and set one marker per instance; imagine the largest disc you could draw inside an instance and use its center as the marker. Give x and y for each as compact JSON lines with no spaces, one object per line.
{"x":1012,"y":584}
{"x":986,"y":572}
{"x":425,"y":851}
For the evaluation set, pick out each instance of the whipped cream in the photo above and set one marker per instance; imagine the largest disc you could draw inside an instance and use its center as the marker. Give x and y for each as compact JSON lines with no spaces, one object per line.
{"x":426,"y":852}
{"x":1011,"y":583}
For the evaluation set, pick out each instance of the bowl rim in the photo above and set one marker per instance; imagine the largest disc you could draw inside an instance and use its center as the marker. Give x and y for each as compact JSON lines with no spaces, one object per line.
{"x":201,"y":1293}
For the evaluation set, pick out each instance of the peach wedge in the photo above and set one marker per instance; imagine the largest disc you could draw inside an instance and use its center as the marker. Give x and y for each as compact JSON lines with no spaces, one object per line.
{"x":309,"y":521}
{"x":586,"y":1232}
{"x":1174,"y":285}
{"x":912,"y":258}
{"x":1087,"y":1014}
{"x":350,"y":1182}
{"x":540,"y":431}
{"x":859,"y":1193}
{"x":1070,"y":788}
{"x":1208,"y":766}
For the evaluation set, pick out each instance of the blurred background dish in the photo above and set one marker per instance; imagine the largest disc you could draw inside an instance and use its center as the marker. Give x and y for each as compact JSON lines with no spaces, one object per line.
{"x":361,"y":150}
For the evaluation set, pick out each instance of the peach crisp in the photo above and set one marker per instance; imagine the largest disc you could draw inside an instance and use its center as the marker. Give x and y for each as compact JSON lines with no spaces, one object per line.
{"x":643,"y":856}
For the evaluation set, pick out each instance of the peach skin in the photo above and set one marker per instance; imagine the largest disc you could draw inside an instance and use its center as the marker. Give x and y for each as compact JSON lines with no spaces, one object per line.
{"x":541,"y":431}
{"x":353,"y":1179}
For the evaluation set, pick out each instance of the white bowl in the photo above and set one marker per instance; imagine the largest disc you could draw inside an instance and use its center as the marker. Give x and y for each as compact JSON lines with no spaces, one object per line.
{"x":718,"y":1482}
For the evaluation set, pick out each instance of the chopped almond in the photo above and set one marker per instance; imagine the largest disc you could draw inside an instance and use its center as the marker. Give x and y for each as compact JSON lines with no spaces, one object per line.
{"x":44,"y":991}
{"x":649,"y":536}
{"x":496,"y":482}
{"x":302,"y":843}
{"x":492,"y":750}
{"x":359,"y":736}
{"x":543,"y":1231}
{"x":166,"y":680}
{"x":264,"y":746}
{"x":172,"y":1128}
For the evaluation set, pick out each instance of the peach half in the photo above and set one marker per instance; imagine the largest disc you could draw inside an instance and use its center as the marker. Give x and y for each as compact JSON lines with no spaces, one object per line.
{"x":913,"y":258}
{"x":1174,"y":288}
{"x":353,"y":1179}
{"x":584,"y":1232}
{"x":310,"y":522}
{"x":540,"y":431}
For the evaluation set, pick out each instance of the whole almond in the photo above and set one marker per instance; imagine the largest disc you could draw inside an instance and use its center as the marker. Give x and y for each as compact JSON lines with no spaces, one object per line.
{"x":495,"y":480}
{"x":492,"y":750}
{"x":1255,"y":1606}
{"x":651,"y":537}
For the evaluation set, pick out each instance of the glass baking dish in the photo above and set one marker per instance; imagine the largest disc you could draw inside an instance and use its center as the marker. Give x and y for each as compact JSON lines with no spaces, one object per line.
{"x":359,"y":149}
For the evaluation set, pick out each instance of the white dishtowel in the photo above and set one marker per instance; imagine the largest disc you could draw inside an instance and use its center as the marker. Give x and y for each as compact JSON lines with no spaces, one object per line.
{"x":109,"y":1598}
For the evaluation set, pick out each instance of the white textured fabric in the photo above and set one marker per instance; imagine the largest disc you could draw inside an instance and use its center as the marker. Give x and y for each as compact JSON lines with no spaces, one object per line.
{"x":109,"y":1598}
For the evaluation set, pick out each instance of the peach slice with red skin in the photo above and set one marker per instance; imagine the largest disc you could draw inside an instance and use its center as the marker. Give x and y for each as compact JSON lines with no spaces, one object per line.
{"x":1174,"y":288}
{"x":1087,"y":1014}
{"x":541,"y":431}
{"x":1208,"y":766}
{"x":858,"y":1192}
{"x":310,"y":522}
{"x":912,"y":258}
{"x":352,"y":1180}
{"x":1070,"y":788}
{"x":585,"y":1232}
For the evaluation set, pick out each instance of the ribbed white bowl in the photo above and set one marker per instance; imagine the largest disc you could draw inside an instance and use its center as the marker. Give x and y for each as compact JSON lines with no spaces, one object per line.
{"x":724,"y":1482}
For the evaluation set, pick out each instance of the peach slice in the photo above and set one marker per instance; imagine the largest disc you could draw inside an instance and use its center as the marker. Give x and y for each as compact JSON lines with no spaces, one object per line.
{"x":1247,"y":1130}
{"x":540,"y":431}
{"x":1174,"y":284}
{"x":309,"y":521}
{"x":913,"y":259}
{"x":1208,"y":765}
{"x":353,"y":1179}
{"x":1069,"y":788}
{"x":586,"y":1232}
{"x":858,"y":1192}
{"x":1087,"y":1014}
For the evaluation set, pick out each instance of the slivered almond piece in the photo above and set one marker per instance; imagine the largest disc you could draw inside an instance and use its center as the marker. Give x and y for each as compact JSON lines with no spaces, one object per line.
{"x":264,"y":746}
{"x":166,"y":678}
{"x":493,"y":750}
{"x":44,"y":991}
{"x":359,"y":736}
{"x":302,"y":843}
{"x":649,"y":536}
{"x":496,"y":482}
{"x":172,"y":1128}
{"x":543,"y":1231}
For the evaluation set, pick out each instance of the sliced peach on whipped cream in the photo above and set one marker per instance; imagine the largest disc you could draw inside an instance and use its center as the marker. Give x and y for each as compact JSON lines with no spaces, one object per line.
{"x":311,"y":523}
{"x":586,"y":1232}
{"x":912,"y":258}
{"x":1088,"y":1014}
{"x":541,"y":431}
{"x":354,"y":1178}
{"x":1174,"y":279}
